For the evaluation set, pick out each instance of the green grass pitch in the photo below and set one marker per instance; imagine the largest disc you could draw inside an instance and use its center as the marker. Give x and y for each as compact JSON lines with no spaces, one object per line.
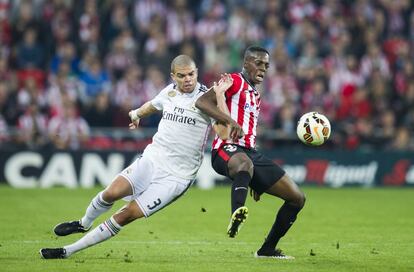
{"x":349,"y":229}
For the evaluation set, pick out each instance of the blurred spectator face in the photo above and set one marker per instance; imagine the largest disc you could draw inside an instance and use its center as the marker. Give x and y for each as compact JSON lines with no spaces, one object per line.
{"x":273,"y":5}
{"x":180,"y":4}
{"x":133,"y":74}
{"x":119,"y":15}
{"x":30,"y":37}
{"x":96,"y":67}
{"x":286,"y":112}
{"x":408,"y":68}
{"x":30,"y":85}
{"x":188,"y":49}
{"x":318,"y":87}
{"x":374,"y":51}
{"x":32,"y":109}
{"x":68,"y":51}
{"x":402,"y":139}
{"x":128,"y":41}
{"x":351,"y":63}
{"x":271,"y":23}
{"x":310,"y":50}
{"x":409,"y":96}
{"x":64,"y":68}
{"x":25,"y":11}
{"x":388,"y":119}
{"x":102,"y":102}
{"x":69,"y":111}
{"x":3,"y":92}
{"x":364,"y":127}
{"x":3,"y":64}
{"x":360,"y":95}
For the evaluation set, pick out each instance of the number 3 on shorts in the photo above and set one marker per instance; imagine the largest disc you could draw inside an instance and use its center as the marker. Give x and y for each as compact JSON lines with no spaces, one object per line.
{"x":156,"y":203}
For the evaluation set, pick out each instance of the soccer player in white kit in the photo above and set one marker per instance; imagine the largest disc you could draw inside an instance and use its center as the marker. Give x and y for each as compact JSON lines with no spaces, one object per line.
{"x":168,"y":165}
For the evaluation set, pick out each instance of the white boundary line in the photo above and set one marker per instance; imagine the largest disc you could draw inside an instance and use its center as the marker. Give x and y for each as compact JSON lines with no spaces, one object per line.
{"x":166,"y":242}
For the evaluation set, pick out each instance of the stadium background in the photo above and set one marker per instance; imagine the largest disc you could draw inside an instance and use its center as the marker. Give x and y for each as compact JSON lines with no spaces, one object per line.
{"x":71,"y":70}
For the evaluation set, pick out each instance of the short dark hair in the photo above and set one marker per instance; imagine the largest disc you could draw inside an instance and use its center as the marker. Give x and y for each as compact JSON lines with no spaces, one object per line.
{"x":181,"y":60}
{"x":254,"y":48}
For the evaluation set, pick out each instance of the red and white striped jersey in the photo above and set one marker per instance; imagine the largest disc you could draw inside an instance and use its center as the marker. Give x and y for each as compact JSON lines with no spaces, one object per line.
{"x":243,"y":101}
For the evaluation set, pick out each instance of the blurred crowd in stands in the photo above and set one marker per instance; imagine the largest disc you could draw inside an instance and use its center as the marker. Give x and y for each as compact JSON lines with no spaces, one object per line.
{"x":68,"y":67}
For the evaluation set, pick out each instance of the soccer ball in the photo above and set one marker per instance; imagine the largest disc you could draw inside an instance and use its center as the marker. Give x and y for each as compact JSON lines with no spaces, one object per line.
{"x":313,"y":128}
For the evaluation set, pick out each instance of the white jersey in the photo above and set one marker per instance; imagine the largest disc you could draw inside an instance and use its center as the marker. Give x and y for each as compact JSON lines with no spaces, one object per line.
{"x":178,"y":145}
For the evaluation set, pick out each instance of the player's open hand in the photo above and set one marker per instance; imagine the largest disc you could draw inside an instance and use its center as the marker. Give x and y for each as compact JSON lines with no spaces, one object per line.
{"x":224,"y":83}
{"x":236,"y":131}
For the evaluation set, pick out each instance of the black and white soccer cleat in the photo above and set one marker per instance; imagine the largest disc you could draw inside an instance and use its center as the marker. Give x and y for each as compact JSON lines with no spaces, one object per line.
{"x":272,"y":254}
{"x":53,"y":253}
{"x":67,"y":228}
{"x":236,"y":221}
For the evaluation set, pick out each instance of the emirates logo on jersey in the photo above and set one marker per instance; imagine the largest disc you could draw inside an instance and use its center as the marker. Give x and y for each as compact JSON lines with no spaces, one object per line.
{"x":178,"y":116}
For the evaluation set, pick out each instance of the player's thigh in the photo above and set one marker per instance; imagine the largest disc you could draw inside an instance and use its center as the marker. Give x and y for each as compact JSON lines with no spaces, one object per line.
{"x":266,"y":173}
{"x":286,"y":189}
{"x":231,"y":159}
{"x":158,"y":195}
{"x":139,"y":175}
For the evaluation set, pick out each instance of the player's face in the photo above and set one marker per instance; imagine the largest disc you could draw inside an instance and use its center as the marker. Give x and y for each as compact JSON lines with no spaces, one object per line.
{"x":185,"y":77}
{"x":256,"y":67}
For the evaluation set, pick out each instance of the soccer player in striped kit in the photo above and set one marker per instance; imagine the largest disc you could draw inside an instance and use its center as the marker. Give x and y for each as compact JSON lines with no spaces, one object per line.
{"x":240,"y":161}
{"x":167,"y":167}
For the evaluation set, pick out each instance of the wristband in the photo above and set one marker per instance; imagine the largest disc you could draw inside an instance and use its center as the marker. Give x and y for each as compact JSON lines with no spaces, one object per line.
{"x":134,"y":115}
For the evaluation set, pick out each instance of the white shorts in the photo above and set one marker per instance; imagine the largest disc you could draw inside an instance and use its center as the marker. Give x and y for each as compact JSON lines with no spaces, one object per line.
{"x":153,"y":188}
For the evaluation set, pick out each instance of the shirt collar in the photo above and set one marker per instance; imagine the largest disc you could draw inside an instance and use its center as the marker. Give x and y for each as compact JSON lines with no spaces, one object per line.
{"x":250,"y":84}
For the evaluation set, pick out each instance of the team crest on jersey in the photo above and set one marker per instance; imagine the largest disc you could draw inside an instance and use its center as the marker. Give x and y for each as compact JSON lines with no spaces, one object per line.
{"x":172,"y":93}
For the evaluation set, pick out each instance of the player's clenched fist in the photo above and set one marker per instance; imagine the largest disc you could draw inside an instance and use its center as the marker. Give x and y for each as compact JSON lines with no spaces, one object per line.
{"x":134,"y":119}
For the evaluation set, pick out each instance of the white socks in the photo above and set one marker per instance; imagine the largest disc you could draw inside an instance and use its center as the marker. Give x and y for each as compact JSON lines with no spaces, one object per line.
{"x":97,"y":207}
{"x":99,"y":234}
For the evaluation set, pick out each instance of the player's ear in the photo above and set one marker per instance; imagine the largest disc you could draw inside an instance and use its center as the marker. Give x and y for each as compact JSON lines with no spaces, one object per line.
{"x":172,"y":76}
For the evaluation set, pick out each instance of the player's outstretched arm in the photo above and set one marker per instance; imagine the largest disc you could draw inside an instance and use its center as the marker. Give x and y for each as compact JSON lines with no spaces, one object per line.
{"x":222,"y":130}
{"x":207,"y":103}
{"x":143,"y":111}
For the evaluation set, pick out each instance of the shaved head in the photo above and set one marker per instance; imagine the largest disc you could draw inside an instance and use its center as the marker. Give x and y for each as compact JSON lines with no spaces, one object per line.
{"x":181,"y":61}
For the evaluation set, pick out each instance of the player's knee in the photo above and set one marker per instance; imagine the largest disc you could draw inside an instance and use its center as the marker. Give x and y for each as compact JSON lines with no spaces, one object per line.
{"x":110,"y":195}
{"x":299,"y":199}
{"x":302,"y":199}
{"x":241,"y":165}
{"x":246,"y":165}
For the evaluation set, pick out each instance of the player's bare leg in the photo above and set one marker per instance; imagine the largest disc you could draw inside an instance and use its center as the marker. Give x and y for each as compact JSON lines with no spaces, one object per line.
{"x":241,"y":170}
{"x":294,"y":198}
{"x":103,"y":232}
{"x":101,"y":203}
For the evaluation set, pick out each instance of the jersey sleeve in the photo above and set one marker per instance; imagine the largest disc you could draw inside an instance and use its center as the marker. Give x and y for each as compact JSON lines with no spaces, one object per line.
{"x":235,"y":87}
{"x":159,"y":101}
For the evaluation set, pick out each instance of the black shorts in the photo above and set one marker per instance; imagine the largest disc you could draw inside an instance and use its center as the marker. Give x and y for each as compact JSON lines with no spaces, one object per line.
{"x":265,"y":172}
